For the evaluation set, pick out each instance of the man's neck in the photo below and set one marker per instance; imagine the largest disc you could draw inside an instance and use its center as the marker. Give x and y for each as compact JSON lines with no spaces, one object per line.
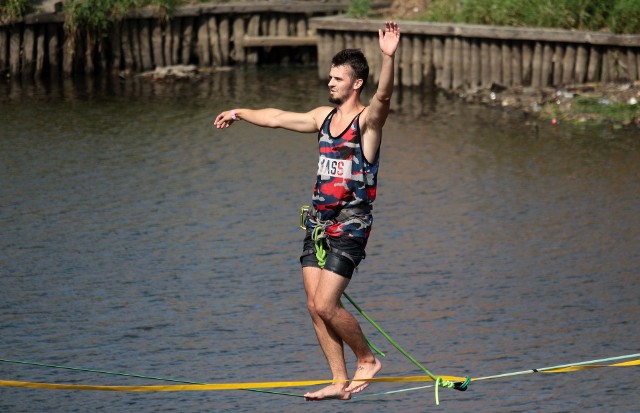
{"x":350,"y":107}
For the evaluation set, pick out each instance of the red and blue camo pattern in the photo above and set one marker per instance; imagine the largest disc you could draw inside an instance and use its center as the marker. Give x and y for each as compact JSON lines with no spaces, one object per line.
{"x":345,"y":179}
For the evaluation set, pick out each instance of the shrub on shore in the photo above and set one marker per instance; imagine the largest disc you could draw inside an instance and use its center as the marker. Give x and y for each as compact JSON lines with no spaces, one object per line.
{"x":95,"y":15}
{"x":617,"y":16}
{"x":14,"y":9}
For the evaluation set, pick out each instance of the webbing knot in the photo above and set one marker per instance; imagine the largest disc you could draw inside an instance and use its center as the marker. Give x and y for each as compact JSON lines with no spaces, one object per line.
{"x":440,"y":382}
{"x":321,"y":254}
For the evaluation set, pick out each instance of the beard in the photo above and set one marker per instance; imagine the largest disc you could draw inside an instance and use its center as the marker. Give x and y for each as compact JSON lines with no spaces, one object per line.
{"x":335,"y":100}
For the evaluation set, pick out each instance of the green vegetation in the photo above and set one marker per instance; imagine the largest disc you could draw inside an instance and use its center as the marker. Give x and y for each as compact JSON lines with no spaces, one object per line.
{"x":13,"y":9}
{"x":596,"y":110}
{"x":92,"y":15}
{"x":617,"y":16}
{"x":599,"y":108}
{"x":95,"y":15}
{"x":359,"y":8}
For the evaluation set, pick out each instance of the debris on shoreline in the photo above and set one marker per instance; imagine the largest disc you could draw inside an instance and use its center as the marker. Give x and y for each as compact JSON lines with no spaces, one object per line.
{"x":172,"y":72}
{"x":614,"y":103}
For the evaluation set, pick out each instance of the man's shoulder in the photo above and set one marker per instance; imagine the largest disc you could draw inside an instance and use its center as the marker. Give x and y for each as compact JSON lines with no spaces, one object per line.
{"x":323,"y":110}
{"x":320,"y":114}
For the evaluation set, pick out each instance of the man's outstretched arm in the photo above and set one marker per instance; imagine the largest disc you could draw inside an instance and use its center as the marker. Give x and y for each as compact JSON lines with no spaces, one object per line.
{"x":271,"y":118}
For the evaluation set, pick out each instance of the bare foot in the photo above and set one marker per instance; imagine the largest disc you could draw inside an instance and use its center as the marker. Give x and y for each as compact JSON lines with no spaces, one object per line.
{"x":332,"y":391}
{"x":364,"y":371}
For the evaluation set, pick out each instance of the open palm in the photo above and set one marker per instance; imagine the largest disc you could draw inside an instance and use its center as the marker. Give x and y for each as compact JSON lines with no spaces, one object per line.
{"x":389,"y":38}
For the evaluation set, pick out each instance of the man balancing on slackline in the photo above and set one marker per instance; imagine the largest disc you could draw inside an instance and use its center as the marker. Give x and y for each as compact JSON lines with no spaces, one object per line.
{"x":339,"y":222}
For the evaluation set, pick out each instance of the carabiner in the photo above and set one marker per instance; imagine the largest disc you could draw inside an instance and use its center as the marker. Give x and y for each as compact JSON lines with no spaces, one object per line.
{"x":304,"y":212}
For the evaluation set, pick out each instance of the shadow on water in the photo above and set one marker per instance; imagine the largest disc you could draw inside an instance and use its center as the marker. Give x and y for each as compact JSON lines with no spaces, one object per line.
{"x":137,"y":238}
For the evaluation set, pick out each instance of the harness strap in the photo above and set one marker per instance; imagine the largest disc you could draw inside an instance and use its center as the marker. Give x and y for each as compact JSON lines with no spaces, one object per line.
{"x":318,"y":234}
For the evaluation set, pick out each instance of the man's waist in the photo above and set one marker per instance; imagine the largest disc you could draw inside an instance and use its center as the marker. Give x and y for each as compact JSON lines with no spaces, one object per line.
{"x":341,"y":214}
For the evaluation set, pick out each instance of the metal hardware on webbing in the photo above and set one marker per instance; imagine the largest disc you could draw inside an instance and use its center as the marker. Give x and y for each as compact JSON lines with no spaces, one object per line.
{"x":304,"y":212}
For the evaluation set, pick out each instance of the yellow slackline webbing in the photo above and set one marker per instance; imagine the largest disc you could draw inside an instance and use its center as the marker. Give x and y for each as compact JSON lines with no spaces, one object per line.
{"x":562,"y":369}
{"x":274,"y":384}
{"x":212,"y":386}
{"x":569,"y":369}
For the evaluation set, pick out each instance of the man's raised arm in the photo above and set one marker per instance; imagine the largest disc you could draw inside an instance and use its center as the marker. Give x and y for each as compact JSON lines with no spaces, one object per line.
{"x":379,"y":105}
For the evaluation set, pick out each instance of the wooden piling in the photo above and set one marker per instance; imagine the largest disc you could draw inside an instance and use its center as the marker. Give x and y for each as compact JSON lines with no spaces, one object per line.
{"x":438,"y":60}
{"x":214,"y":41}
{"x":40,"y":51}
{"x":156,"y":43}
{"x":475,"y":68}
{"x":517,"y":72}
{"x":68,"y":54}
{"x":582,"y":58}
{"x":4,"y":51}
{"x":507,"y":78}
{"x":417,"y":48}
{"x":546,"y":78}
{"x":223,"y":36}
{"x":485,"y":64}
{"x":428,"y":69}
{"x":496,"y":62}
{"x":146,"y":53}
{"x":457,"y":79}
{"x":556,"y":64}
{"x":593,"y":70}
{"x":632,"y":64}
{"x":15,"y":46}
{"x":28,"y":47}
{"x":568,"y":64}
{"x":253,"y":29}
{"x":238,"y":39}
{"x":466,"y":62}
{"x":89,"y":48}
{"x":404,"y":63}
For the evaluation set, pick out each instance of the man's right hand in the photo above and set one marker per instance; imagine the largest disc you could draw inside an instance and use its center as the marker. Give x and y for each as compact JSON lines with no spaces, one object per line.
{"x":225,"y":119}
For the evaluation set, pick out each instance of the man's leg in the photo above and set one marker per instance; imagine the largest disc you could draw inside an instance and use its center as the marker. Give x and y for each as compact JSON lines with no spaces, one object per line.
{"x":330,"y":342}
{"x":334,"y":325}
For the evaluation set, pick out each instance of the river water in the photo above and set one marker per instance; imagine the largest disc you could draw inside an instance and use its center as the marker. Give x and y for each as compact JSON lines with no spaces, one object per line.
{"x":137,"y":238}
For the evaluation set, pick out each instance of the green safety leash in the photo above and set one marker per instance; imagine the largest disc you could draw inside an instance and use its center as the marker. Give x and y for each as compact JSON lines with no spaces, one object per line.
{"x":440,"y":382}
{"x":321,"y":255}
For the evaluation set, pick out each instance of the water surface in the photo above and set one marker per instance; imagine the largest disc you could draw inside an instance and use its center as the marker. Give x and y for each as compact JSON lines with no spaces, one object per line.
{"x":137,"y":238}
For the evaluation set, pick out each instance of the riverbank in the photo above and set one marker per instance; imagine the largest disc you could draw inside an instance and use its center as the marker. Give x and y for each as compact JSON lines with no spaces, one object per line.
{"x":612,"y":103}
{"x":594,"y":103}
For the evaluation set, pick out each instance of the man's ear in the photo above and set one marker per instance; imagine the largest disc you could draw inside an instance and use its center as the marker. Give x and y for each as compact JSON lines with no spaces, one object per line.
{"x":358,"y":84}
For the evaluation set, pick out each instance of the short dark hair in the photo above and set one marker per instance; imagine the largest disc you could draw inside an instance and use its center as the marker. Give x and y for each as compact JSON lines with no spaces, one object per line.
{"x":355,"y":59}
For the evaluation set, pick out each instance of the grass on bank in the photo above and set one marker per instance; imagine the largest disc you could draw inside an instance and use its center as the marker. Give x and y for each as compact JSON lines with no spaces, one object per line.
{"x":617,"y":16}
{"x":595,"y":109}
{"x":13,"y":9}
{"x":95,"y":15}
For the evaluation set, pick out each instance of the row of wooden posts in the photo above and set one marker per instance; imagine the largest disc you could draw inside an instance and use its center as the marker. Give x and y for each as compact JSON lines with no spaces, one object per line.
{"x":467,"y":57}
{"x":447,"y":56}
{"x":208,"y":35}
